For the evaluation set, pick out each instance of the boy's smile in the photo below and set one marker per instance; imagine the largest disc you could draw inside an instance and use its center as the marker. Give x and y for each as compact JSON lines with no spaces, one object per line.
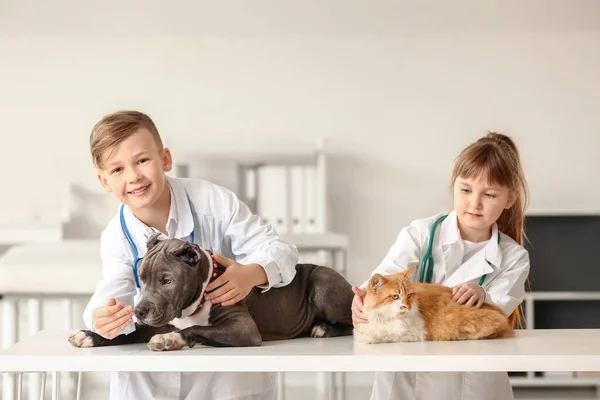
{"x":142,"y":190}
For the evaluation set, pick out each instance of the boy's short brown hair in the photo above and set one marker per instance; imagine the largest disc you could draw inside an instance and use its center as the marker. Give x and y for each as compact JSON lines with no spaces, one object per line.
{"x":116,"y":127}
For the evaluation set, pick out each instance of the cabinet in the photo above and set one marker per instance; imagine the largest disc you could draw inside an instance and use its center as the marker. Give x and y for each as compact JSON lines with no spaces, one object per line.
{"x":566,"y":378}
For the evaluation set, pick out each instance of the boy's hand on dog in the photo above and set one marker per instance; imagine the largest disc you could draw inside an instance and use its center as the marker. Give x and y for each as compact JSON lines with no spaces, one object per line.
{"x":112,"y":318}
{"x":469,"y":294}
{"x":357,"y":306}
{"x":235,"y":283}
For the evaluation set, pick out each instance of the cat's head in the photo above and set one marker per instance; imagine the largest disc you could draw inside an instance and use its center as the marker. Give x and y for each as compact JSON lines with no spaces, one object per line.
{"x":389,"y":296}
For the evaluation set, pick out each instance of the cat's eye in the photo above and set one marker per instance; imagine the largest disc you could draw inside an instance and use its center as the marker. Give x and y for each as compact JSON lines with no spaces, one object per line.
{"x":395,"y":297}
{"x":408,"y":296}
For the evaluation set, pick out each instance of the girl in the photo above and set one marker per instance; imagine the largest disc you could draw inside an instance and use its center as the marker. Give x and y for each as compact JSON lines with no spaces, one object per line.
{"x":477,"y":250}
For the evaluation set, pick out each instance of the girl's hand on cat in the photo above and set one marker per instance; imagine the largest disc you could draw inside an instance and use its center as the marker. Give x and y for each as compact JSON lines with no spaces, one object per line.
{"x":469,"y":294}
{"x":357,"y":306}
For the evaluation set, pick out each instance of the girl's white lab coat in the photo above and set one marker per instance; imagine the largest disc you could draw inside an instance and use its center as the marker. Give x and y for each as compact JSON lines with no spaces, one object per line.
{"x":222,"y":224}
{"x":504,"y":286}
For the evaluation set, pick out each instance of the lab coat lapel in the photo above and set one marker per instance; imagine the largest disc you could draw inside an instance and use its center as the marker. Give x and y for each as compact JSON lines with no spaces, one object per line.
{"x":184,"y":215}
{"x":450,"y":245}
{"x":479,"y":264}
{"x":493,"y":254}
{"x":474,"y":268}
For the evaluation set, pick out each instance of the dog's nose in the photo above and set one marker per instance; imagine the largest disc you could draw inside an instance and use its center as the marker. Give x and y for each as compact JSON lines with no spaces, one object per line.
{"x":141,"y":311}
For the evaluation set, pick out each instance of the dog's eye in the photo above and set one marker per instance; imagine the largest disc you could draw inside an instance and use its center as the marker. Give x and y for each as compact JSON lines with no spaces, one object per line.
{"x":167,"y":281}
{"x":395,"y":297}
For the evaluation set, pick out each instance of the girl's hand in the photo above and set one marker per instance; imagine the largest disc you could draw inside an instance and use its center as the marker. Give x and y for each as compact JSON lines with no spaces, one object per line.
{"x":357,"y":306}
{"x":469,"y":294}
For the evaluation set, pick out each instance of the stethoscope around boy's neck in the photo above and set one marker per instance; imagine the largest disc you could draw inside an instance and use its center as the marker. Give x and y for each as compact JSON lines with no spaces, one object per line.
{"x":427,"y":263}
{"x":137,"y":258}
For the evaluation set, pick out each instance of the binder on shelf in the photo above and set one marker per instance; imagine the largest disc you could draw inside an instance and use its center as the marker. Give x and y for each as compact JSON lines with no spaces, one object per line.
{"x":290,"y":195}
{"x":297,"y":200}
{"x":310,"y":200}
{"x":272,"y":196}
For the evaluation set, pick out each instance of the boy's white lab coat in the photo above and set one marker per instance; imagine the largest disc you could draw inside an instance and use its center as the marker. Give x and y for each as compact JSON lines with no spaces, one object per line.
{"x":504,"y":287}
{"x":222,"y":224}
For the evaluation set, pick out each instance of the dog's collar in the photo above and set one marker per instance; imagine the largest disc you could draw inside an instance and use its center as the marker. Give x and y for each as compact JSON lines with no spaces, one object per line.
{"x":213,"y":276}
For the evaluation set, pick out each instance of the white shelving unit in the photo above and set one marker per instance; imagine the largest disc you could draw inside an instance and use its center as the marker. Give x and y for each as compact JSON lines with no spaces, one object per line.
{"x":531,"y":380}
{"x":289,"y":193}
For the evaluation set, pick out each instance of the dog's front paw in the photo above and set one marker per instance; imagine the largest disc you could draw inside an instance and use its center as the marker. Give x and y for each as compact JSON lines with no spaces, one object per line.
{"x":319,"y":331}
{"x":166,"y":341}
{"x":81,"y":339}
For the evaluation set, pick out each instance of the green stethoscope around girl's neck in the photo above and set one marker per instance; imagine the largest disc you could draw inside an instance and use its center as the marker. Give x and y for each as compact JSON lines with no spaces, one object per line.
{"x":427,"y":263}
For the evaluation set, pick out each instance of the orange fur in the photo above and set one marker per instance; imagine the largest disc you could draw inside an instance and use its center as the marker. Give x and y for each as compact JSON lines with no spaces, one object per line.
{"x":429,"y":306}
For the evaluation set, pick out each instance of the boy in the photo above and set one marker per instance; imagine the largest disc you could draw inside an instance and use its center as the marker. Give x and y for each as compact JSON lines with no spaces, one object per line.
{"x":131,"y":161}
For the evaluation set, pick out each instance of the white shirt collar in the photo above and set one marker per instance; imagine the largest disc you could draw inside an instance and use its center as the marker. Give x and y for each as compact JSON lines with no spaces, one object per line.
{"x":450,"y":234}
{"x":181,"y":209}
{"x":180,"y":222}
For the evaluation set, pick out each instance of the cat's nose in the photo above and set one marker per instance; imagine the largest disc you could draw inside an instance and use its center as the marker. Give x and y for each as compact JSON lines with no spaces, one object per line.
{"x":403,"y":308}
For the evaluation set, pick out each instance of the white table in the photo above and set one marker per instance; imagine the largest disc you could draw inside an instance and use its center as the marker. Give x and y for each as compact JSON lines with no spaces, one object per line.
{"x":529,"y":350}
{"x":540,"y":350}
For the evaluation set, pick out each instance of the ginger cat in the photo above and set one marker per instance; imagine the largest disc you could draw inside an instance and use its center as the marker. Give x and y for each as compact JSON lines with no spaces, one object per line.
{"x":400,"y":310}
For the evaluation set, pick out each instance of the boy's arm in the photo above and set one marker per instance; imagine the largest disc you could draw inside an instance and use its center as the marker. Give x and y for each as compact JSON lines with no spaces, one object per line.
{"x":117,"y":280}
{"x":253,"y":242}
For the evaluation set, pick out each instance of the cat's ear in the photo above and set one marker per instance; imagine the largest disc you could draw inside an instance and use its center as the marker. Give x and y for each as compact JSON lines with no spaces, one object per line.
{"x":408,"y":273}
{"x":376,"y":282}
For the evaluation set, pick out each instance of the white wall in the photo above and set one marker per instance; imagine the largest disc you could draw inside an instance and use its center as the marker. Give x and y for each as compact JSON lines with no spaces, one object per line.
{"x":395,"y":89}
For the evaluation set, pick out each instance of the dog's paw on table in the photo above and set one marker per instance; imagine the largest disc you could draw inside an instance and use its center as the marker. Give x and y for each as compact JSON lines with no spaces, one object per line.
{"x":166,"y":341}
{"x":81,"y":339}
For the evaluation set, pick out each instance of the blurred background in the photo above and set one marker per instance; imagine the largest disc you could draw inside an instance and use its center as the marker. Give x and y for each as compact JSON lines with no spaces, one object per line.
{"x":337,"y":121}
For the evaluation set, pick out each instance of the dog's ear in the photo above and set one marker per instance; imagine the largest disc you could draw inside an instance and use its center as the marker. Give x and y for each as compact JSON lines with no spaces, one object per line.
{"x":188,"y":254}
{"x":152,"y":240}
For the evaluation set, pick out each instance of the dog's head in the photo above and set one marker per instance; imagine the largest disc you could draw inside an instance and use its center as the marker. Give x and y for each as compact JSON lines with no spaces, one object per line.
{"x":171,"y":276}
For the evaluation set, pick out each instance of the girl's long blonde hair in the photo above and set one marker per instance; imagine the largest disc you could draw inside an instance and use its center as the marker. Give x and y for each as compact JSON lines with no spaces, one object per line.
{"x":497,"y":156}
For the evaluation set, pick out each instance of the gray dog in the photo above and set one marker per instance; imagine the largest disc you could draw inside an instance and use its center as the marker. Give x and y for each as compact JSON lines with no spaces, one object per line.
{"x":172,"y":311}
